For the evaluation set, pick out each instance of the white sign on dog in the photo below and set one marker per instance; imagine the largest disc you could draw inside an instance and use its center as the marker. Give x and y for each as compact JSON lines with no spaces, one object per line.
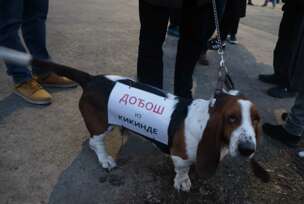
{"x":140,"y":111}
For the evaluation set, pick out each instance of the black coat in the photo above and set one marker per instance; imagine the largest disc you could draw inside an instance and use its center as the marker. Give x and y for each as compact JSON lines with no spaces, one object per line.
{"x":242,"y":8}
{"x":176,"y":3}
{"x":238,"y":7}
{"x":295,"y":4}
{"x":296,"y":68}
{"x":296,"y":63}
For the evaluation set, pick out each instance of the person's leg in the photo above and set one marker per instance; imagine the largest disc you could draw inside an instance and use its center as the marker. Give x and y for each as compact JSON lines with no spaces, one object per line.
{"x":34,"y":35}
{"x":234,"y":29}
{"x":208,"y":26}
{"x":287,"y":42}
{"x":280,"y":58}
{"x":10,"y":22}
{"x":153,"y":21}
{"x":295,"y":121}
{"x":175,"y":17}
{"x":265,"y":3}
{"x":213,"y":43}
{"x":226,"y":23}
{"x":189,"y":47}
{"x":173,"y":28}
{"x":34,"y":30}
{"x":283,"y":50}
{"x":291,"y":132}
{"x":234,"y":26}
{"x":208,"y":22}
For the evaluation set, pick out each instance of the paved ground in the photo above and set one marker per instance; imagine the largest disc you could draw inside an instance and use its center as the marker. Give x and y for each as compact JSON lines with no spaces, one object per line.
{"x":44,"y":156}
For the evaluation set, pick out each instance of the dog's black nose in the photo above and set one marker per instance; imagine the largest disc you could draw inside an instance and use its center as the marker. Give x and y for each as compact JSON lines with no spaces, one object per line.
{"x":246,"y":148}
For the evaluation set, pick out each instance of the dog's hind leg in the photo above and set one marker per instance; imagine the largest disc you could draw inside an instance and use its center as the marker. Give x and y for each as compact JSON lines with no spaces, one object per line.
{"x":97,"y":144}
{"x":95,"y":118}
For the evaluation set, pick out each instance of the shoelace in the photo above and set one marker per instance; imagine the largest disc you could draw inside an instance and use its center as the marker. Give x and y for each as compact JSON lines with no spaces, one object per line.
{"x":34,"y":85}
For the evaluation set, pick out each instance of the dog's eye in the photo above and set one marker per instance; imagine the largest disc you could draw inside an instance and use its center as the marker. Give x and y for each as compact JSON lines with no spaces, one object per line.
{"x":232,"y":119}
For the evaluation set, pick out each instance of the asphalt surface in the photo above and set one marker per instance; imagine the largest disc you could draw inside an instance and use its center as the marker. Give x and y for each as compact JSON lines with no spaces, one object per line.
{"x":44,"y":155}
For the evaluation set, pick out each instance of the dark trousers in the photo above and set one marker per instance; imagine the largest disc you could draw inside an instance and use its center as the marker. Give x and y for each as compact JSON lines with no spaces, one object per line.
{"x":231,"y":20}
{"x":209,"y":22}
{"x":286,"y":44}
{"x":154,"y":21}
{"x":30,"y":17}
{"x":230,"y":26}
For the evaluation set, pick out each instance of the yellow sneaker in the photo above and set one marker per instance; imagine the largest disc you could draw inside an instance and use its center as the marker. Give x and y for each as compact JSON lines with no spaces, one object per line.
{"x":54,"y":80}
{"x":32,"y":92}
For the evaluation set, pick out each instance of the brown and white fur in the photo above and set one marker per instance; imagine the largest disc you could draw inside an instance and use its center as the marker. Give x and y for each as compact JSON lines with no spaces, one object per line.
{"x":212,"y":129}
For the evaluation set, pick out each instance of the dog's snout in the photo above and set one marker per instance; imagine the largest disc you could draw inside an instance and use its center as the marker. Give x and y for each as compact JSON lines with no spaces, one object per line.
{"x":246,"y":148}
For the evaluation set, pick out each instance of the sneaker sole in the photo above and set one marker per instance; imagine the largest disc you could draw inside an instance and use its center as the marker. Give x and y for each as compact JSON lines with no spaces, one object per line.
{"x":233,"y":42}
{"x":60,"y":86}
{"x":31,"y":101}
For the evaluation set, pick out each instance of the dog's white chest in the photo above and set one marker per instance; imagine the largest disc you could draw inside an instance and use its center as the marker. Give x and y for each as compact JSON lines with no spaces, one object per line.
{"x":140,"y":111}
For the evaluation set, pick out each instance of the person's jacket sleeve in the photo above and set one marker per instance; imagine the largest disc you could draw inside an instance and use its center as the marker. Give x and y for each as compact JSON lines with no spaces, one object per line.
{"x":294,"y":3}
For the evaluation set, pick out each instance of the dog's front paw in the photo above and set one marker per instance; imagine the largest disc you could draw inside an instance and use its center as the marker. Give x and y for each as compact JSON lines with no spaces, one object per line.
{"x":182,"y":184}
{"x":108,"y":163}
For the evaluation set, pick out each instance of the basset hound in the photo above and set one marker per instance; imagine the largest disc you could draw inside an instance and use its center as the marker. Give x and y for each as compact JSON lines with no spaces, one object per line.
{"x":195,"y":131}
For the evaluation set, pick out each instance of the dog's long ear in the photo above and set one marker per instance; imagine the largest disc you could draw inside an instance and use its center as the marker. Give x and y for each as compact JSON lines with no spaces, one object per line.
{"x":209,"y":148}
{"x":256,"y":123}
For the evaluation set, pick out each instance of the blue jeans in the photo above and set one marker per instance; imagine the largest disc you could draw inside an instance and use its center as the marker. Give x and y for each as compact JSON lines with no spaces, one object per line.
{"x":29,"y":16}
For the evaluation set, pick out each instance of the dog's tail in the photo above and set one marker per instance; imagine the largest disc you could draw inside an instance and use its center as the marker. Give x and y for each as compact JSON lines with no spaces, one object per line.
{"x":21,"y":58}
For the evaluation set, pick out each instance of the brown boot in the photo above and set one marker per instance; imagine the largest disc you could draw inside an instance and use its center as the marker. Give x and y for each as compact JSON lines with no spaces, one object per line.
{"x":54,"y":80}
{"x":32,"y":92}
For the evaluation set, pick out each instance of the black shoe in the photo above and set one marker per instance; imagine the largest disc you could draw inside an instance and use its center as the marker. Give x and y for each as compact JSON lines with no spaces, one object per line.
{"x":270,"y":79}
{"x":203,"y":59}
{"x":281,"y":92}
{"x":233,"y":40}
{"x":277,"y":132}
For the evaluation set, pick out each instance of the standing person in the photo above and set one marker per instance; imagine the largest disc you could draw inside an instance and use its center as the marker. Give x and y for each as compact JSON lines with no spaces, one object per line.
{"x":274,"y":2}
{"x":293,"y":130}
{"x":235,"y":10}
{"x":29,"y":16}
{"x":282,"y":56}
{"x":154,"y":16}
